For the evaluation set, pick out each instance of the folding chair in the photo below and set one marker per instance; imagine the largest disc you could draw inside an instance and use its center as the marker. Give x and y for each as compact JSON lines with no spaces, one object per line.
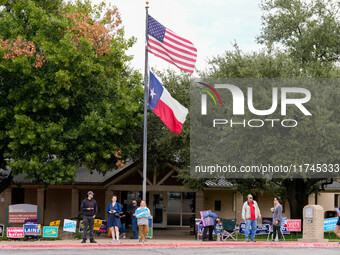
{"x":230,"y":229}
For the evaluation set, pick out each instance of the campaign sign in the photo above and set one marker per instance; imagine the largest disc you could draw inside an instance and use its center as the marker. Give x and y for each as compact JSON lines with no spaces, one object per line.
{"x":2,"y":230}
{"x":15,"y":232}
{"x":268,"y":221}
{"x":70,"y":225}
{"x":50,"y":232}
{"x":31,"y":221}
{"x":208,"y":221}
{"x":284,"y":229}
{"x":329,"y":224}
{"x":103,"y":226}
{"x":260,"y":229}
{"x":294,"y":225}
{"x":32,"y":230}
{"x":97,"y":224}
{"x":142,"y":212}
{"x":82,"y":227}
{"x":55,"y":223}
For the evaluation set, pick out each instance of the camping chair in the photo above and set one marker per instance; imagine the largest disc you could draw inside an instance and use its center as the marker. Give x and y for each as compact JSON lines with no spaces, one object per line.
{"x":230,"y":229}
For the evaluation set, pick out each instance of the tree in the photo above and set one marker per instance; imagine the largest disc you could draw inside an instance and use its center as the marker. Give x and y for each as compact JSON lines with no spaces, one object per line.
{"x":68,"y":95}
{"x":166,"y":150}
{"x":236,"y":64}
{"x":308,"y":30}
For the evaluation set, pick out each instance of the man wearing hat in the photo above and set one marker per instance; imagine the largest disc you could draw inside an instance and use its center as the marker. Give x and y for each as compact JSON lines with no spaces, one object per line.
{"x":89,"y":208}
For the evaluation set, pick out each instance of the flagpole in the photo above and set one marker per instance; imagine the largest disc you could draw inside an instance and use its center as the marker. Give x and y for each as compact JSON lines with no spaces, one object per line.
{"x":146,"y":99}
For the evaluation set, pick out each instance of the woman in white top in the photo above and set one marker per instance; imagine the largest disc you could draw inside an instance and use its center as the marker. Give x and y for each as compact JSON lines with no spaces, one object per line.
{"x":143,"y":221}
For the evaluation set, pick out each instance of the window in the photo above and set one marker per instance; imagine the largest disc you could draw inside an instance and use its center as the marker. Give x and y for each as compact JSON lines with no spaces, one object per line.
{"x":18,"y":196}
{"x":217,"y":205}
{"x":126,"y":198}
{"x":181,"y":208}
{"x":336,"y":200}
{"x":234,"y":202}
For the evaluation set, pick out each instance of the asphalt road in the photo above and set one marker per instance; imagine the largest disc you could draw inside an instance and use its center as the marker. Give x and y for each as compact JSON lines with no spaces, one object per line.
{"x":183,"y":251}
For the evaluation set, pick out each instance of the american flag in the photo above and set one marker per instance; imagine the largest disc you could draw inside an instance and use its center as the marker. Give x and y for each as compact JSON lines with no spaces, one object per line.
{"x":166,"y":44}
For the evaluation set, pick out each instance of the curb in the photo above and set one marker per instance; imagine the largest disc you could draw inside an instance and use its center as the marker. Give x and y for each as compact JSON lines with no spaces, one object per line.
{"x":165,"y":245}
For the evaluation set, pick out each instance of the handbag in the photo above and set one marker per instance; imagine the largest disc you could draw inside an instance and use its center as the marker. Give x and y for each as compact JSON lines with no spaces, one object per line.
{"x":116,"y":214}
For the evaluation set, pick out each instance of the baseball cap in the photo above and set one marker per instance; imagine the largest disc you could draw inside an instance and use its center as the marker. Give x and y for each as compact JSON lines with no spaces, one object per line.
{"x":90,"y":193}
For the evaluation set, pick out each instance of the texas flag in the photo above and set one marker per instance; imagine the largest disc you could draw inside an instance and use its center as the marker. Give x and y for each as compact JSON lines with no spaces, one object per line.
{"x":168,"y":109}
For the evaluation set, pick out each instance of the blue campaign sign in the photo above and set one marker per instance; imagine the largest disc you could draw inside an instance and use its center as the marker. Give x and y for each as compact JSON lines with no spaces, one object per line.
{"x":142,"y":212}
{"x":284,"y":229}
{"x":260,"y":229}
{"x":329,"y":224}
{"x":70,"y":225}
{"x":32,"y":230}
{"x":50,"y":232}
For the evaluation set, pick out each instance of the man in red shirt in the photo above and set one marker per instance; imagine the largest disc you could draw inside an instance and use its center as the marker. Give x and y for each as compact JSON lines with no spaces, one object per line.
{"x":250,"y":214}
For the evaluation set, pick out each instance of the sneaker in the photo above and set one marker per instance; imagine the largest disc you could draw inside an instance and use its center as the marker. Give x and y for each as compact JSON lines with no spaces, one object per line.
{"x":253,"y":240}
{"x":247,"y":240}
{"x":118,"y":241}
{"x":84,"y":241}
{"x":124,"y":237}
{"x":93,"y":241}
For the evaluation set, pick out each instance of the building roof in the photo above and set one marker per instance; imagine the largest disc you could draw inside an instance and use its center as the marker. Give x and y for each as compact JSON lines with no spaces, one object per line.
{"x":83,"y":176}
{"x":335,"y":186}
{"x":221,"y":183}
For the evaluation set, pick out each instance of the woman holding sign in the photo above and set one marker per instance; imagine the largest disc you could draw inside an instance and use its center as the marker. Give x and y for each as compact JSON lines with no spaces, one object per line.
{"x":113,"y":210}
{"x":143,"y":215}
{"x":337,"y":226}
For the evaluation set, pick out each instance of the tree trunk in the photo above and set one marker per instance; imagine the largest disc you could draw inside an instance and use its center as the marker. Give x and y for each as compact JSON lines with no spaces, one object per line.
{"x":297,"y":197}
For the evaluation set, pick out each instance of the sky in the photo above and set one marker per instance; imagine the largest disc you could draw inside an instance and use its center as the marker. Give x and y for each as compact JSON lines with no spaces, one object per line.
{"x":211,"y":25}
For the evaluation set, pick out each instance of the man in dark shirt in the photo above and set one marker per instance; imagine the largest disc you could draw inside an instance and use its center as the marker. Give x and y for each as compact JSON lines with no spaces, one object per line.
{"x":89,"y":208}
{"x":134,"y":219}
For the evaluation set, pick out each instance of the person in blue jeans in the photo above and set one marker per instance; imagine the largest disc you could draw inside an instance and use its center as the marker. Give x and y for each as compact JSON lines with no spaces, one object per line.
{"x":250,"y":214}
{"x":134,"y":219}
{"x":123,"y":221}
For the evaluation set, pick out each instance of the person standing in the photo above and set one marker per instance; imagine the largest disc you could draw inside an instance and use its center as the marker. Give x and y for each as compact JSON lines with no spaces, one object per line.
{"x":143,"y":221}
{"x":277,"y":218}
{"x":134,"y":219}
{"x":89,"y":208}
{"x":250,"y":214}
{"x":210,"y":228}
{"x":337,"y":226}
{"x":123,"y":222}
{"x":113,"y":210}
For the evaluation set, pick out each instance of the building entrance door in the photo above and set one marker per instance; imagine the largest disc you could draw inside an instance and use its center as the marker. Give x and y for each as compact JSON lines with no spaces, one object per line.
{"x":158,"y":210}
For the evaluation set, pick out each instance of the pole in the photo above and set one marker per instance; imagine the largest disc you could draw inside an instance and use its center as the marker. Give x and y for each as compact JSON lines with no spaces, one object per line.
{"x":146,"y":99}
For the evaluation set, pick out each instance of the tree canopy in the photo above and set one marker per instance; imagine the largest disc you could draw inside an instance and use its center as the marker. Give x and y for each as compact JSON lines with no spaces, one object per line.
{"x":68,"y":96}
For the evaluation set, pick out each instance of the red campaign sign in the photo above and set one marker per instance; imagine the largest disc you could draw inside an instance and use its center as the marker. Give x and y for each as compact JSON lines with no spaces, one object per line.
{"x":20,"y":217}
{"x":294,"y":225}
{"x":15,"y":232}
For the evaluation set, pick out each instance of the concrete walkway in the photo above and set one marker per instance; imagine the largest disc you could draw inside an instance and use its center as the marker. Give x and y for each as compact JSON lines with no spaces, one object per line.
{"x":162,"y":239}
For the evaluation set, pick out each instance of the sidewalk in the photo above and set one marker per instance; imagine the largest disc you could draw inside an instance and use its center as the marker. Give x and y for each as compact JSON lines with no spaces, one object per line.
{"x":162,"y":239}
